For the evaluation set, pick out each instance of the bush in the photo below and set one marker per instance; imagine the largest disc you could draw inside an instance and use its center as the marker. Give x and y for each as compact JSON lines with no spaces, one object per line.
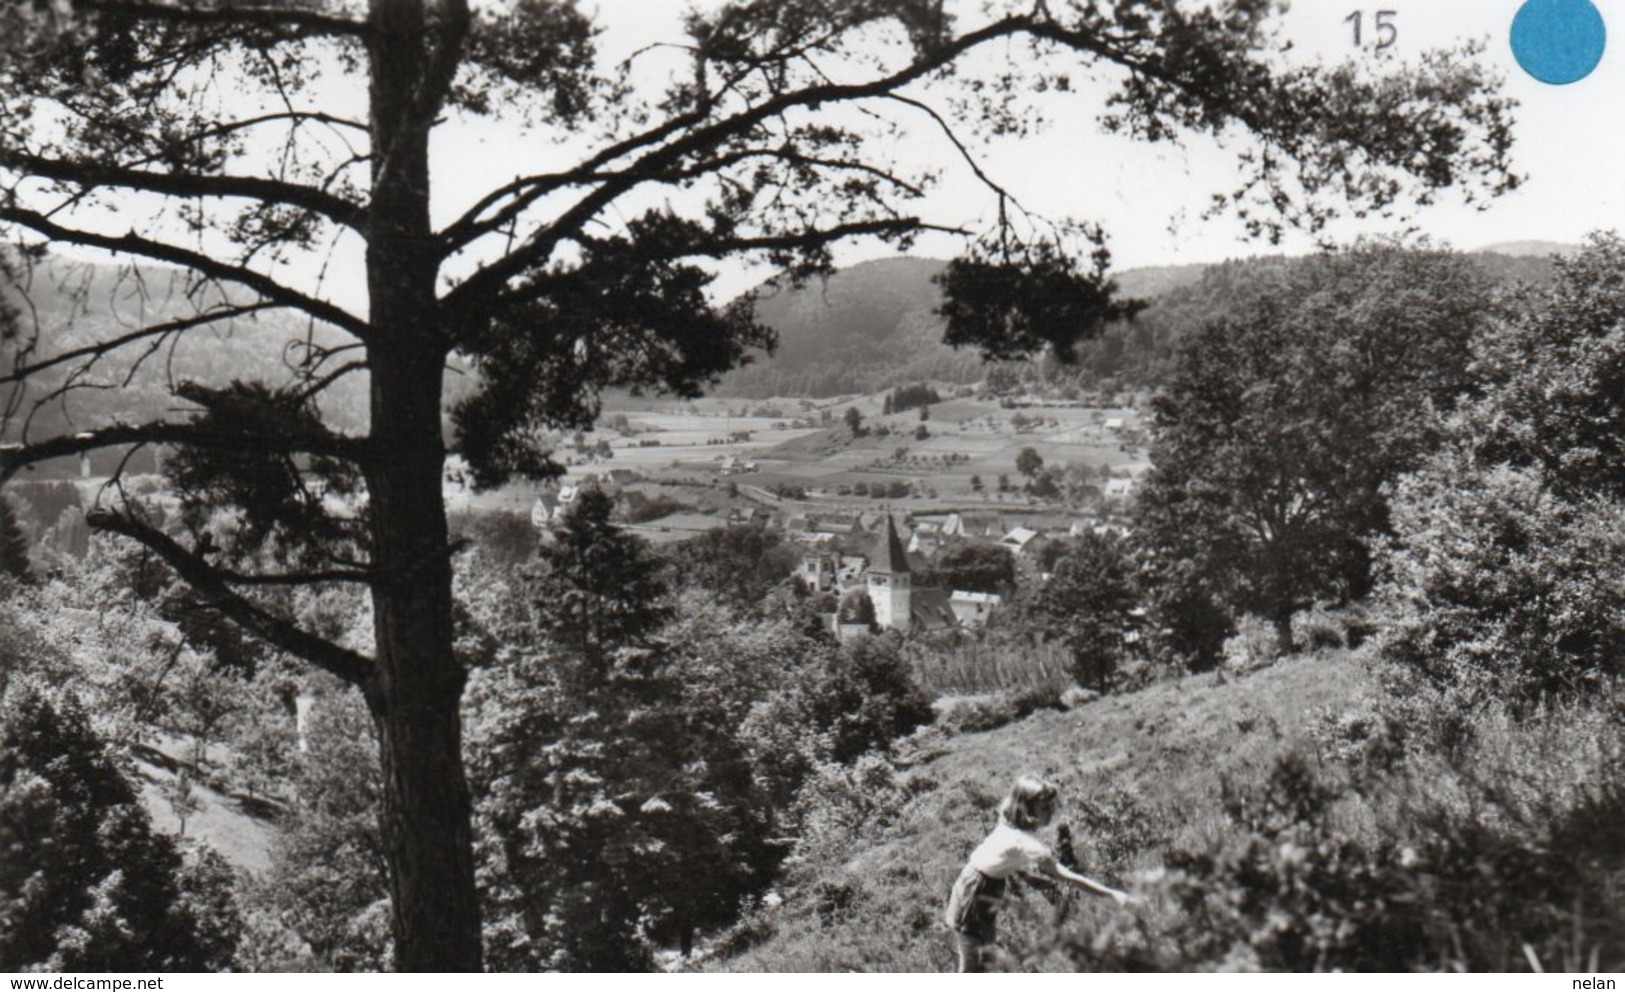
{"x":1503,"y":856}
{"x":865,"y":697}
{"x":1499,"y":589}
{"x":974,"y":714}
{"x":85,"y":882}
{"x":1254,"y":645}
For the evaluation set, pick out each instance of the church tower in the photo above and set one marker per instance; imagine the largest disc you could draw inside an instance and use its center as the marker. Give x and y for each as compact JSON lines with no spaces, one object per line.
{"x":890,"y":581}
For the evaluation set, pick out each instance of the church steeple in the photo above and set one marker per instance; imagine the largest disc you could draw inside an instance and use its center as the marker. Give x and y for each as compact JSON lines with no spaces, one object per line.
{"x":889,"y":557}
{"x":890,"y":581}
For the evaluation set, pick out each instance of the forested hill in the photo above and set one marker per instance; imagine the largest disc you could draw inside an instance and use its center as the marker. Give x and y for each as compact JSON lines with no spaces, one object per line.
{"x":874,"y":325}
{"x":865,"y":328}
{"x":65,"y":306}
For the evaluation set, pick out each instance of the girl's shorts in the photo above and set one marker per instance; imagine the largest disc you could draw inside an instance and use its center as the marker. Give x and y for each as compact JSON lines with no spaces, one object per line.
{"x":974,"y":905}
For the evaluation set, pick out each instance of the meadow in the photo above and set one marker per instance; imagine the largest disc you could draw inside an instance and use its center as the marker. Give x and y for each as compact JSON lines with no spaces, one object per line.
{"x":1258,"y":819}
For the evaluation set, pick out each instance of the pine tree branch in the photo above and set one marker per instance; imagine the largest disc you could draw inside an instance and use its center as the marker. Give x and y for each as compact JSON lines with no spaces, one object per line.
{"x":191,"y":185}
{"x":213,"y":586}
{"x":14,"y":458}
{"x":203,"y":264}
{"x":229,"y":13}
{"x":487,"y":282}
{"x":103,"y":348}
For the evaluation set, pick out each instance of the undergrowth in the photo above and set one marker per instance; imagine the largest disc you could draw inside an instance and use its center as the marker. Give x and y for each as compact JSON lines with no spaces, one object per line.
{"x":1292,"y":819}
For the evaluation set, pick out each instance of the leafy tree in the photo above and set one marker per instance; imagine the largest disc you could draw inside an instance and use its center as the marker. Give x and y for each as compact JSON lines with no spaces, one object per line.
{"x":1288,"y":416}
{"x":865,"y":696}
{"x":1085,"y":605}
{"x":740,"y":563}
{"x":856,"y":607}
{"x":1502,"y":581}
{"x":1190,"y":619}
{"x":231,"y":143}
{"x":841,"y":703}
{"x":328,"y":882}
{"x":976,"y":484}
{"x":1553,"y":379}
{"x":85,"y":884}
{"x":1028,"y":462}
{"x":908,"y":397}
{"x":854,"y":421}
{"x":974,"y":567}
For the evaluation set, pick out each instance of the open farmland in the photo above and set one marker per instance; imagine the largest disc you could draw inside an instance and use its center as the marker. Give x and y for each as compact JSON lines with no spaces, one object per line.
{"x":704,"y":444}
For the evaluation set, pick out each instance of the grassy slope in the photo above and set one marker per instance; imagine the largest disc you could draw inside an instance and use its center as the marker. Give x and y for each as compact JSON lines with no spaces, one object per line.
{"x":1158,"y":755}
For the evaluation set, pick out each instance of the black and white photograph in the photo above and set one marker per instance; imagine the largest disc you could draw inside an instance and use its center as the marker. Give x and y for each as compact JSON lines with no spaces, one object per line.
{"x":811,"y":486}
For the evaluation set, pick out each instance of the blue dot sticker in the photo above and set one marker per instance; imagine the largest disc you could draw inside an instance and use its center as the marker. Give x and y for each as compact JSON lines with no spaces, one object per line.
{"x":1558,"y":41}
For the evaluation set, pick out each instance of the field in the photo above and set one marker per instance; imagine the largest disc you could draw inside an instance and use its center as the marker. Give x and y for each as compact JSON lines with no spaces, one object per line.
{"x":803,"y":444}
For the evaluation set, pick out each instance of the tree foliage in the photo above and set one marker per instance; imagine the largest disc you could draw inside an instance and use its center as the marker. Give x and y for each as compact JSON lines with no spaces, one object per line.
{"x":614,"y":807}
{"x":1503,"y":577}
{"x":975,"y":567}
{"x":742,"y":564}
{"x":328,"y":882}
{"x":231,"y":144}
{"x":14,"y":559}
{"x":1029,"y":461}
{"x":1085,"y":605}
{"x":85,"y":883}
{"x":1288,"y":415}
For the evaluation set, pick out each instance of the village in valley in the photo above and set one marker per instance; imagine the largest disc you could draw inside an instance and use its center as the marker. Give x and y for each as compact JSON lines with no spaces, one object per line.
{"x":869,"y":508}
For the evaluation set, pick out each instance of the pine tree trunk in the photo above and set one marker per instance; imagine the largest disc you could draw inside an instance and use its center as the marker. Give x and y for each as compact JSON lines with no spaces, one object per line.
{"x":416,"y":695}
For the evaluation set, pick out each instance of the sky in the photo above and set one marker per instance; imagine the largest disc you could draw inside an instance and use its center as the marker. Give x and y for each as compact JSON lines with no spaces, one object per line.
{"x":1570,"y":147}
{"x":1569,"y":144}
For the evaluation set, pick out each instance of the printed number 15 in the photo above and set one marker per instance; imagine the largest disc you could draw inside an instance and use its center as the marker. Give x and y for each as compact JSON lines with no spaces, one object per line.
{"x":1387,"y":31}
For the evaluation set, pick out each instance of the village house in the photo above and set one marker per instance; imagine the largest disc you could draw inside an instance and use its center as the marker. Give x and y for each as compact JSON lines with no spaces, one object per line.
{"x":972,"y":609}
{"x":1119,"y":489}
{"x":1019,"y":540}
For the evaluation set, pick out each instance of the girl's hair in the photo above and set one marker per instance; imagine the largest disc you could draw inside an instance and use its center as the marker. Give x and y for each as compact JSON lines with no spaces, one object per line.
{"x":1020,"y":807}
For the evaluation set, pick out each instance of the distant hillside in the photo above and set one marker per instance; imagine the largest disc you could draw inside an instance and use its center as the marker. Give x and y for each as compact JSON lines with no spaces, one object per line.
{"x":1528,"y":249}
{"x":874,"y":325}
{"x":68,"y":305}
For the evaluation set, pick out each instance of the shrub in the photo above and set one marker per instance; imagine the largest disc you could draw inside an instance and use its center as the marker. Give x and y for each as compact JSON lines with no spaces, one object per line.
{"x":85,"y":883}
{"x":973,"y":714}
{"x":1503,"y":856}
{"x":865,"y":696}
{"x":1499,"y":589}
{"x":1253,"y":645}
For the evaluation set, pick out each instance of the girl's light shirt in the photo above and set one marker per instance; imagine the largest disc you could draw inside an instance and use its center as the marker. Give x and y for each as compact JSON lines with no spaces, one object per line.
{"x":1007,"y":851}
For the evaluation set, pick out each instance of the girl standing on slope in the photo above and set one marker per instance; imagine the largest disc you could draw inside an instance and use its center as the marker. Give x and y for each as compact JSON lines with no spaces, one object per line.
{"x":1012,"y":847}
